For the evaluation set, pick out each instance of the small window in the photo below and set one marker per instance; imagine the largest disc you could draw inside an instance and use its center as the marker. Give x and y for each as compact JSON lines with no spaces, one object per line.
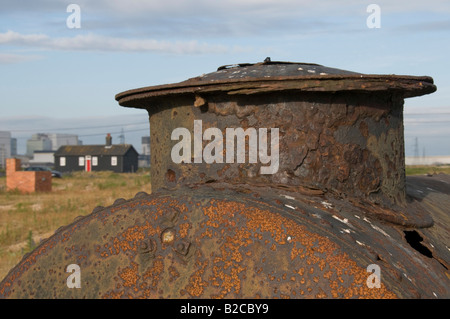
{"x":113,"y":160}
{"x":81,"y":161}
{"x":62,"y":161}
{"x":94,"y":160}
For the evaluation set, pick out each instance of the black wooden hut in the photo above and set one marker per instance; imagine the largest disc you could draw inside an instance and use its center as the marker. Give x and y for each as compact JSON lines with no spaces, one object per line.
{"x":120,"y":158}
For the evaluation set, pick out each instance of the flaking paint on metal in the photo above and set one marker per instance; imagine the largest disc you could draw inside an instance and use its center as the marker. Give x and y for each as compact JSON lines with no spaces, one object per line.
{"x":239,"y":248}
{"x":232,"y":232}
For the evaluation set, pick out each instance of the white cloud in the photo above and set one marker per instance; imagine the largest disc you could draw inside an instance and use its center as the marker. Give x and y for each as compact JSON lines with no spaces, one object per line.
{"x":94,"y":42}
{"x":18,"y":38}
{"x":300,"y":8}
{"x":7,"y":58}
{"x":206,"y":19}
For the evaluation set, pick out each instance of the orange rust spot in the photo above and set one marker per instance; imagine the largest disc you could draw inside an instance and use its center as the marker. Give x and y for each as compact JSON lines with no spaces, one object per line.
{"x":184,"y":228}
{"x":321,"y":294}
{"x":212,"y":224}
{"x":129,"y":239}
{"x":174,"y":274}
{"x":154,"y":272}
{"x":196,"y":284}
{"x":322,"y":264}
{"x":113,"y":295}
{"x":327,"y":274}
{"x":208,"y":233}
{"x":129,"y":275}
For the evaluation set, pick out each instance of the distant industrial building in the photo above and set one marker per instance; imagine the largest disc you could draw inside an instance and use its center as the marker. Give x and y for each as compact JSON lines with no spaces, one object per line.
{"x":145,"y":145}
{"x":144,"y":158}
{"x":49,"y":142}
{"x":13,"y":146}
{"x":5,"y":147}
{"x":427,"y":160}
{"x":59,"y":140}
{"x":38,"y":142}
{"x":121,"y":158}
{"x":43,"y":158}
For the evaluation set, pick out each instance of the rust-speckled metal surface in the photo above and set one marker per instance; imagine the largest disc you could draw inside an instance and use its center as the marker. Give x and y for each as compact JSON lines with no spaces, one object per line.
{"x":237,"y":241}
{"x":346,"y":143}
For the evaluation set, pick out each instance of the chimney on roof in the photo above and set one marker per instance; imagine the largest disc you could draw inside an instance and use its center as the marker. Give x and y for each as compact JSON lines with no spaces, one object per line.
{"x":108,"y":140}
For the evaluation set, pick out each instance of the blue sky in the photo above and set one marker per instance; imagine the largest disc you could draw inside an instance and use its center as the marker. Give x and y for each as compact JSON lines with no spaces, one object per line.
{"x":57,"y":79}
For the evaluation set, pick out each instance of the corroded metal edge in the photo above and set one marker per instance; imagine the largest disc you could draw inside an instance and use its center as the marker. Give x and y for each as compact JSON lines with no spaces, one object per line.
{"x":406,"y":86}
{"x":339,"y":241}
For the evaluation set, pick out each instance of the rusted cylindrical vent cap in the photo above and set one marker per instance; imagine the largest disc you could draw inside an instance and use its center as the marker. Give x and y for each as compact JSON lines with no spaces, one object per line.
{"x":248,"y":78}
{"x":337,"y":131}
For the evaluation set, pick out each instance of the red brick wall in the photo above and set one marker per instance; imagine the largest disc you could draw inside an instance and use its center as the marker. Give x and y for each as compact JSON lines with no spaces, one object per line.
{"x":12,"y":165}
{"x":43,"y":181}
{"x":26,"y":182}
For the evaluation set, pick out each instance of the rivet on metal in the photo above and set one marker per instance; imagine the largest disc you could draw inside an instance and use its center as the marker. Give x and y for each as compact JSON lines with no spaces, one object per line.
{"x":147,"y":246}
{"x":182,"y":247}
{"x":97,"y":209}
{"x":140,"y":195}
{"x":168,"y":236}
{"x":119,"y":201}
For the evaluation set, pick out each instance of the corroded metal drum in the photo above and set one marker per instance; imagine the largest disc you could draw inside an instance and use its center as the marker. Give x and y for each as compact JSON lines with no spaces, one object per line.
{"x":335,"y":217}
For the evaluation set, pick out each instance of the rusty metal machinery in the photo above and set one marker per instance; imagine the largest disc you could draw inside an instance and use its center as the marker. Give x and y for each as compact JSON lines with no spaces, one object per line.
{"x":337,"y":204}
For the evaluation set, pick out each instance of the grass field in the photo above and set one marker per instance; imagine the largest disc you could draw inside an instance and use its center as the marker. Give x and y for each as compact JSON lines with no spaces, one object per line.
{"x":423,"y":170}
{"x":26,"y":219}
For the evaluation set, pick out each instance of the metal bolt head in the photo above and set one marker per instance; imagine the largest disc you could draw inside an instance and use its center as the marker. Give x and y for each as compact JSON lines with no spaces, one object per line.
{"x":182,"y":247}
{"x":147,"y":246}
{"x":168,"y":236}
{"x":143,"y":246}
